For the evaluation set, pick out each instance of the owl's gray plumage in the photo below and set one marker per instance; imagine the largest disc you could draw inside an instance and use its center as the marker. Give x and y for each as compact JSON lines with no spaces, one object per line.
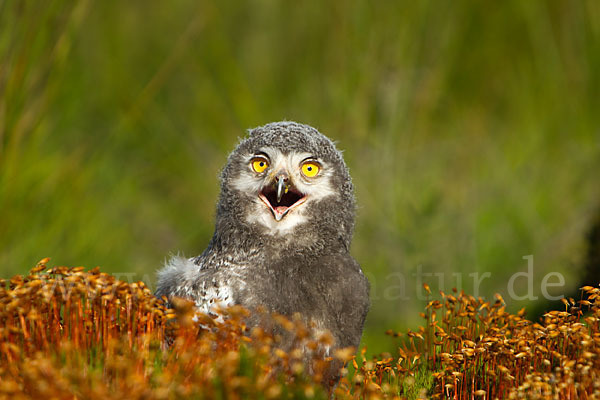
{"x":290,"y":258}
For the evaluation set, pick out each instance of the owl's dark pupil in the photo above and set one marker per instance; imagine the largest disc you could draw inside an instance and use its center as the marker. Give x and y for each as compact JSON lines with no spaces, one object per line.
{"x":262,"y":164}
{"x":309,"y":168}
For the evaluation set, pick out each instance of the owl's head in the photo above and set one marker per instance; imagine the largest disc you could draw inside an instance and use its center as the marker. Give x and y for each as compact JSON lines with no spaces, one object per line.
{"x":287,"y":182}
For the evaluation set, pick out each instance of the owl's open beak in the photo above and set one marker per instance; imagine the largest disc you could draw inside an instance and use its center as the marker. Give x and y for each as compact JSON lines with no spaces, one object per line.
{"x":281,"y":196}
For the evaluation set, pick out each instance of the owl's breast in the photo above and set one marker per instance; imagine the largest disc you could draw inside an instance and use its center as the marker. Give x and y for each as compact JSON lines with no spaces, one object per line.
{"x":285,"y":287}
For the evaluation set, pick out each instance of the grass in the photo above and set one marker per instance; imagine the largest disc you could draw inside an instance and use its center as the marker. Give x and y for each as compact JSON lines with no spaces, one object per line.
{"x":471,"y":133}
{"x":67,"y":333}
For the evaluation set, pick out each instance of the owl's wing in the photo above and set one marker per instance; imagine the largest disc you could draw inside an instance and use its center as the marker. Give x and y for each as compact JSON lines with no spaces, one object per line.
{"x":182,"y":277}
{"x":347,"y":297}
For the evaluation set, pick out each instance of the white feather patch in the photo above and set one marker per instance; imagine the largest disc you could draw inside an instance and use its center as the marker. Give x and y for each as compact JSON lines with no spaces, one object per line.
{"x":183,"y":275}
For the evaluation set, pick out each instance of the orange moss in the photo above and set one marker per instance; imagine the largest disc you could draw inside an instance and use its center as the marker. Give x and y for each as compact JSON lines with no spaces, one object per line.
{"x":66,"y":333}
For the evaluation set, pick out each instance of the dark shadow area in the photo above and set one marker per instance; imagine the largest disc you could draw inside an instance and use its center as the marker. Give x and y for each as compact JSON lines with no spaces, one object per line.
{"x":590,"y":272}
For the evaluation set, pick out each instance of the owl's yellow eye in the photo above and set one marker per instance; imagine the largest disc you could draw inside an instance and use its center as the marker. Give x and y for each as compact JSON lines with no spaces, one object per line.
{"x":310,"y":169}
{"x":259,"y":164}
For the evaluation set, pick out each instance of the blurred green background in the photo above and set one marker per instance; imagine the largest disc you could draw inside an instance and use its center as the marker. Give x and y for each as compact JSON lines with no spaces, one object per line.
{"x":471,"y":130}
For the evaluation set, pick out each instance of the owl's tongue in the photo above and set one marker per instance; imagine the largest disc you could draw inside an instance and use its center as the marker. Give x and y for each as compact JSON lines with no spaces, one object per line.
{"x":279,"y":212}
{"x":280,"y":209}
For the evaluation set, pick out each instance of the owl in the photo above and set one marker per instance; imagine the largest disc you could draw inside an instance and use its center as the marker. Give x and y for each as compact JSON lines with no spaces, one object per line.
{"x":284,"y":223}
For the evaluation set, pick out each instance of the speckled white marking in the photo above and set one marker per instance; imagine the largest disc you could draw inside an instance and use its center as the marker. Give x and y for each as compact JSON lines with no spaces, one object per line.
{"x":212,"y":294}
